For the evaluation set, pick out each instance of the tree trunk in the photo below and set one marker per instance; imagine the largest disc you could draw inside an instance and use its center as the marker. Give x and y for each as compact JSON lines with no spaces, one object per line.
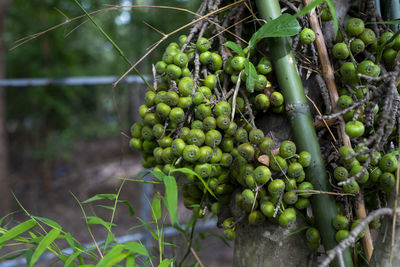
{"x":5,"y":203}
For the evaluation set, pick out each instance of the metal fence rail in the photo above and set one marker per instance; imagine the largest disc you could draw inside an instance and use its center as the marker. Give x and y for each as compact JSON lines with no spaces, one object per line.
{"x":70,"y":81}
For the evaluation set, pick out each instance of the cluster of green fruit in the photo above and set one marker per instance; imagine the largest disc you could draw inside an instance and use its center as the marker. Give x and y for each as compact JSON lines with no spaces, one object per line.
{"x":188,"y":124}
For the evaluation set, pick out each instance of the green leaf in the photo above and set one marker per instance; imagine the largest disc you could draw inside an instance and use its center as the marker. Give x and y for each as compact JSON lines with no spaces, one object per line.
{"x":129,"y":205}
{"x":189,"y":171}
{"x":44,"y":244}
{"x":17,"y":230}
{"x":159,"y":175}
{"x":147,"y":225}
{"x":135,"y":247}
{"x":332,"y":9}
{"x":100,"y":221}
{"x":100,"y":197}
{"x":112,"y":254}
{"x":252,"y":75}
{"x":308,"y":8}
{"x":110,"y":239}
{"x":71,"y":258}
{"x":49,"y":222}
{"x":391,"y":22}
{"x":171,"y":197}
{"x":284,"y":25}
{"x":236,"y":48}
{"x":298,"y":230}
{"x":165,"y":263}
{"x":156,"y":207}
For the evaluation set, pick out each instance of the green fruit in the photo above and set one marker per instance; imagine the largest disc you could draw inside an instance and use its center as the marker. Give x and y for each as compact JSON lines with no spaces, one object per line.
{"x":341,"y":234}
{"x":211,"y":81}
{"x":304,"y":159}
{"x":191,"y":153}
{"x":287,"y":149}
{"x":375,"y":174}
{"x":161,"y":67}
{"x":166,"y":141}
{"x":261,"y":83}
{"x":163,"y":110}
{"x":213,"y":138}
{"x":262,"y":174}
{"x":354,"y":129}
{"x":226,"y":160}
{"x":351,"y":188}
{"x":180,"y":59}
{"x":177,"y":147}
{"x":205,"y":57}
{"x":206,"y":153}
{"x":261,"y":102}
{"x":204,"y":170}
{"x":135,"y":143}
{"x":168,"y":56}
{"x":302,"y":203}
{"x":185,"y":86}
{"x":185,"y":102}
{"x":147,"y":133}
{"x":388,"y":163}
{"x":216,"y":155}
{"x":206,"y":92}
{"x":278,"y":164}
{"x":357,"y":46}
{"x":202,"y":44}
{"x":362,"y":157}
{"x":387,"y":180}
{"x":173,"y":72}
{"x":389,"y":56}
{"x":396,"y":44}
{"x":167,"y":155}
{"x":256,"y":217}
{"x":368,"y":36}
{"x":369,"y":68}
{"x":354,"y":224}
{"x":237,"y":63}
{"x":241,"y":136}
{"x":229,"y":234}
{"x":150,"y":98}
{"x":215,"y":62}
{"x":344,"y":102}
{"x":161,"y":97}
{"x":312,"y":235}
{"x":143,"y":110}
{"x":197,"y":125}
{"x":386,"y":36}
{"x":349,"y":72}
{"x":227,"y":144}
{"x":354,"y":27}
{"x":307,"y":36}
{"x":288,"y":216}
{"x":264,"y":66}
{"x":256,"y":136}
{"x":290,"y":184}
{"x":247,"y":151}
{"x":363,"y":178}
{"x":202,"y":111}
{"x":223,"y":122}
{"x":276,"y":186}
{"x":198,"y":98}
{"x":340,"y":173}
{"x":276,"y":99}
{"x":267,"y":208}
{"x":231,"y":131}
{"x":266,"y":145}
{"x":250,"y":182}
{"x":325,"y":14}
{"x":294,"y":170}
{"x":209,"y":123}
{"x":136,"y":130}
{"x":305,"y":186}
{"x":290,"y":198}
{"x":182,"y":40}
{"x":196,"y":137}
{"x":222,"y":108}
{"x":340,"y":51}
{"x":248,"y":196}
{"x":340,"y":222}
{"x":177,"y":115}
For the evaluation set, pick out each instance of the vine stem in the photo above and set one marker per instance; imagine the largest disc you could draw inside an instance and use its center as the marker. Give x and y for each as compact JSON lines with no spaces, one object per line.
{"x":329,"y":77}
{"x":303,"y":130}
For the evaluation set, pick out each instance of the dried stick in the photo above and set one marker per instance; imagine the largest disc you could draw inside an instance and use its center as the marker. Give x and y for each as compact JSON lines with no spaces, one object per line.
{"x":329,"y":77}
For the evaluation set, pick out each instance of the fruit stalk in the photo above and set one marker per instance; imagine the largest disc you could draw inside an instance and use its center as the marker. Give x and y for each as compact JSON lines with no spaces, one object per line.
{"x":300,"y":118}
{"x":329,"y":77}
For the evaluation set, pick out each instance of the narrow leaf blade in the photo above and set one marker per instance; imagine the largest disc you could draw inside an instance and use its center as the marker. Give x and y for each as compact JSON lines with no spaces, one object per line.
{"x":171,"y":197}
{"x":332,"y":9}
{"x":309,"y":7}
{"x":44,"y":245}
{"x":165,"y":263}
{"x":236,"y":48}
{"x":17,"y":230}
{"x":136,"y":248}
{"x":189,"y":171}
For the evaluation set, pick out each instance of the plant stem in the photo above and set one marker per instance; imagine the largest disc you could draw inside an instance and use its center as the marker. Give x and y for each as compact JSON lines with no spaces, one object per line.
{"x":324,"y":208}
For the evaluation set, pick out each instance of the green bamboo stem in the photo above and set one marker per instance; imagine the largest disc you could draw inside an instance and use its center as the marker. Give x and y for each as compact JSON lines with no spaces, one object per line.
{"x":323,"y":205}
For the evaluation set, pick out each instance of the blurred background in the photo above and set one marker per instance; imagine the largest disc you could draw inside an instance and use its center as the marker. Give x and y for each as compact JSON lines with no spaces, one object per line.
{"x":60,"y":138}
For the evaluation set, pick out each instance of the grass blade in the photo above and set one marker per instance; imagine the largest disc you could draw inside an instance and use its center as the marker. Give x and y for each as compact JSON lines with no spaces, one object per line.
{"x":17,"y":230}
{"x":43,"y":245}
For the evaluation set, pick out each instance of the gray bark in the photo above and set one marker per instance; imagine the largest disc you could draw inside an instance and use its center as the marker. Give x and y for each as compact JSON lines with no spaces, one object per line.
{"x":5,"y":200}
